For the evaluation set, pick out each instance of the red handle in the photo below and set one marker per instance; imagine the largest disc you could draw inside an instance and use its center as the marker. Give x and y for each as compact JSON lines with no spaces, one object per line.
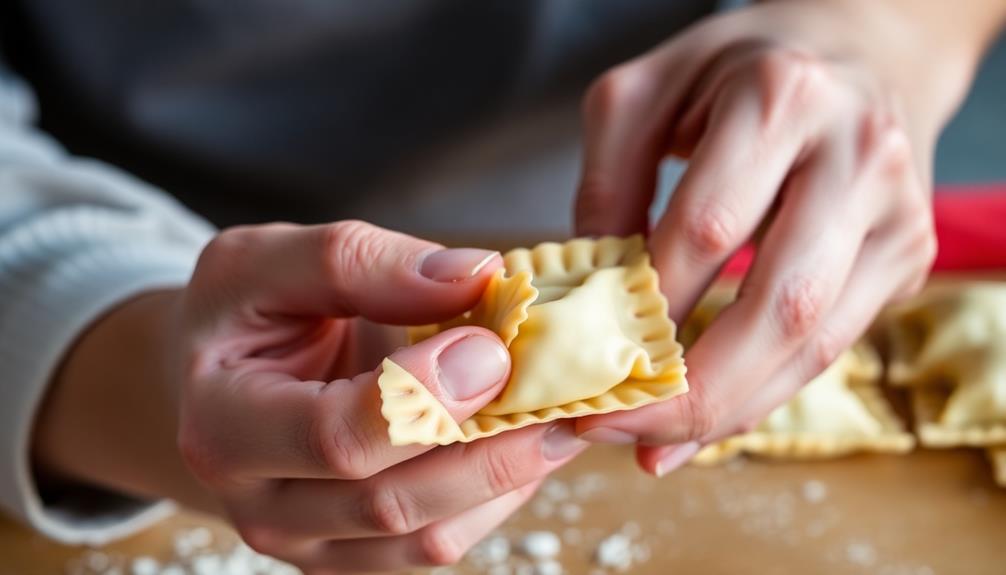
{"x":970,"y":226}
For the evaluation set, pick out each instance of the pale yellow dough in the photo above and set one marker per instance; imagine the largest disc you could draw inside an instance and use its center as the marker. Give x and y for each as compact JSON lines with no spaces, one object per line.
{"x":587,"y":330}
{"x":997,"y":456}
{"x":949,"y":346}
{"x":840,"y":411}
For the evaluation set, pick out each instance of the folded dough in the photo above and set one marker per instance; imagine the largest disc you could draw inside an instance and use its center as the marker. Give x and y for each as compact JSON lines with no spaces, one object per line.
{"x":949,"y":345}
{"x":997,"y":456}
{"x":588,"y":333}
{"x":840,"y":411}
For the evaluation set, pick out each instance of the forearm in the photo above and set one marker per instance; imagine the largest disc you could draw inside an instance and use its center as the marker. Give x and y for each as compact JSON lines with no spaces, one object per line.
{"x":923,"y":52}
{"x":110,"y":417}
{"x":943,"y":44}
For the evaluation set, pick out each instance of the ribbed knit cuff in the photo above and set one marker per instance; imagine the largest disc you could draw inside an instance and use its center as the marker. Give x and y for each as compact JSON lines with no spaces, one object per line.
{"x":46,"y":308}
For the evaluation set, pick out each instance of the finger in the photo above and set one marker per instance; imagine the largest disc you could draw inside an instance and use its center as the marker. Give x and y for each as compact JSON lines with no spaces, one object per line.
{"x":345,"y":269}
{"x":895,"y":260}
{"x":759,"y":122}
{"x":442,"y":543}
{"x":627,"y":113}
{"x":798,"y":274}
{"x":420,"y":491}
{"x":893,"y":265}
{"x":277,"y":427}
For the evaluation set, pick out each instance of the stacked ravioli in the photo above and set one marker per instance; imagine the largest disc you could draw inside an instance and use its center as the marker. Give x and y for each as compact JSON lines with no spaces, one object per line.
{"x":587,"y":330}
{"x":588,"y":333}
{"x":948,"y":348}
{"x":841,"y":411}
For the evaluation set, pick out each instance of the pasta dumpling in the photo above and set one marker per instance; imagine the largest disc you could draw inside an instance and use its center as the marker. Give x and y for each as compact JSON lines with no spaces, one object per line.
{"x":840,"y":411}
{"x":949,"y":346}
{"x":587,"y":330}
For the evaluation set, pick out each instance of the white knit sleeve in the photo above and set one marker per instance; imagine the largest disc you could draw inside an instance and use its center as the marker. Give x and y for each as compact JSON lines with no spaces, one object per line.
{"x":76,"y":237}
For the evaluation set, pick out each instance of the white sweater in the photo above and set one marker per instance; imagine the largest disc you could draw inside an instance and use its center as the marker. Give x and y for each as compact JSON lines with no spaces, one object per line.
{"x":76,"y":237}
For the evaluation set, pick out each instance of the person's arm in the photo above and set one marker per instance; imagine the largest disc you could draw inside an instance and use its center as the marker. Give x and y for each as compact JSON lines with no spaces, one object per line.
{"x":77,"y":237}
{"x":245,"y":384}
{"x":810,"y":127}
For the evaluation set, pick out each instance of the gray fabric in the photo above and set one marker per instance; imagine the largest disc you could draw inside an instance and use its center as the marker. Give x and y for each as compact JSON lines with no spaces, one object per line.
{"x":973,"y":147}
{"x":294,"y":110}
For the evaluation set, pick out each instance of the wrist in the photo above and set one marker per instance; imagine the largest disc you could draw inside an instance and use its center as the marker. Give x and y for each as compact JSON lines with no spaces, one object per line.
{"x":110,"y":416}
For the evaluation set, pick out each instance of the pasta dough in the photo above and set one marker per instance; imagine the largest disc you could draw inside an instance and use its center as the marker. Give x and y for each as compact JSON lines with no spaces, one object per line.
{"x":840,"y":411}
{"x":587,"y":330}
{"x":997,"y":456}
{"x":949,"y":346}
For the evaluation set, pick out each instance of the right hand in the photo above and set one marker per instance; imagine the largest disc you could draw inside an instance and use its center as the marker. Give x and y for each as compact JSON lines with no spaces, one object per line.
{"x":278,"y":409}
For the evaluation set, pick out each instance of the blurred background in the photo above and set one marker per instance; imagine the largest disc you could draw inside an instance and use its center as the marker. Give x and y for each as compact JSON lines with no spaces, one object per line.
{"x":447,"y":119}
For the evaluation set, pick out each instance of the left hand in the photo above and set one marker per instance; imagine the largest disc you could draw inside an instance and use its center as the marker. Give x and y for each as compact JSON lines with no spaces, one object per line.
{"x":819,"y":118}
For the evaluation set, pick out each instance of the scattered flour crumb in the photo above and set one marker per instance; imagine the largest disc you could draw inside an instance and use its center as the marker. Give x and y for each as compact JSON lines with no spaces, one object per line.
{"x":97,"y":561}
{"x":555,"y":490}
{"x":548,"y":567}
{"x":814,"y":491}
{"x":860,"y":553}
{"x":541,"y":545}
{"x":523,"y":569}
{"x":570,"y":512}
{"x":145,"y":566}
{"x":491,"y":551}
{"x":615,"y":551}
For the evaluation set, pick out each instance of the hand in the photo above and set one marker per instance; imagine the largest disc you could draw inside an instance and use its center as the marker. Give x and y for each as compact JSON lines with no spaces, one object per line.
{"x":277,"y":411}
{"x":816,"y":120}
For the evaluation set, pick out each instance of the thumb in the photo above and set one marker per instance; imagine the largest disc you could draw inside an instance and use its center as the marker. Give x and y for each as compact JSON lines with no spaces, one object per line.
{"x":351,"y":268}
{"x":346,"y":435}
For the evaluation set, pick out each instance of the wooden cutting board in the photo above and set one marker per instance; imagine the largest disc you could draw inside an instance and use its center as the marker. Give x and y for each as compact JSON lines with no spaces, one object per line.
{"x":932,"y":512}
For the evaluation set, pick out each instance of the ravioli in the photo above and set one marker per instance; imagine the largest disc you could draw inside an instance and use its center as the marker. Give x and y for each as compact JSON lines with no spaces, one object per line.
{"x":841,"y":411}
{"x":949,"y":346}
{"x":997,"y":456}
{"x":588,"y":333}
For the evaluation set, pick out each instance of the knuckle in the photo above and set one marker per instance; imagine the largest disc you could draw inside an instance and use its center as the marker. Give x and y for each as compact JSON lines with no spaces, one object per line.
{"x":388,"y":512}
{"x":616,"y":89}
{"x":339,"y":447}
{"x":711,"y":231}
{"x":790,"y":81}
{"x":225,"y":250}
{"x":198,"y":456}
{"x":889,"y":150}
{"x":746,"y":426}
{"x":437,"y":546}
{"x":823,"y":351}
{"x":500,"y":470}
{"x":350,"y":246}
{"x":701,"y":413}
{"x":594,"y":197}
{"x":260,"y":536}
{"x":798,"y":308}
{"x":928,"y":247}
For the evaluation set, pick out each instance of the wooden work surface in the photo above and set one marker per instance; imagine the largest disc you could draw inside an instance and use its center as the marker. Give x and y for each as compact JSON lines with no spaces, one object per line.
{"x":926,"y":513}
{"x":932,"y":512}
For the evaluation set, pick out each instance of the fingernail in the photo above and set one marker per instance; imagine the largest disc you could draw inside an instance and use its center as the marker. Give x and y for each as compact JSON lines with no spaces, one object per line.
{"x":677,"y":457}
{"x":455,"y":264}
{"x":608,"y":435}
{"x":470,"y":366}
{"x":560,"y":442}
